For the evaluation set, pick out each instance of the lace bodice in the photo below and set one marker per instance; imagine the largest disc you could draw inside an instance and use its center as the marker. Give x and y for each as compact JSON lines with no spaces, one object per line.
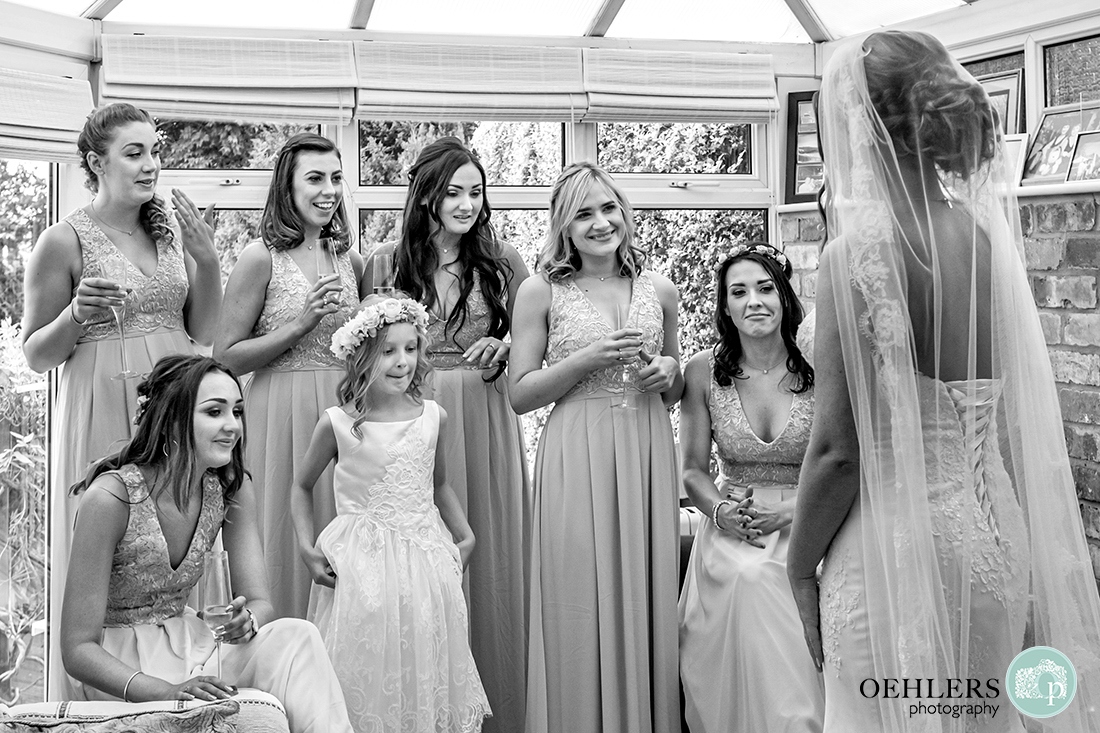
{"x":742,"y":456}
{"x":144,"y":588}
{"x":575,"y":323}
{"x":156,"y":302}
{"x":446,"y":345}
{"x":286,"y":297}
{"x":387,"y":475}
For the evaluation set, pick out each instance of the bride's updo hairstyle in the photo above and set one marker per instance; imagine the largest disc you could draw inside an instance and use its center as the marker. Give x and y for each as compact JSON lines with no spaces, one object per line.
{"x":931,"y":107}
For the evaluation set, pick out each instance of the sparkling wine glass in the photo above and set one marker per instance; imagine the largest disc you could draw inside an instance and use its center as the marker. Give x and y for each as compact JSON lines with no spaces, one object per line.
{"x":116,"y":269}
{"x":626,"y":398}
{"x":216,"y":596}
{"x":326,"y":257}
{"x":383,"y":274}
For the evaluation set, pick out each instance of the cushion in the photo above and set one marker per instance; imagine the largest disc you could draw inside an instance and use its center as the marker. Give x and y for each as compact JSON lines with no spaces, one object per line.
{"x":97,"y":717}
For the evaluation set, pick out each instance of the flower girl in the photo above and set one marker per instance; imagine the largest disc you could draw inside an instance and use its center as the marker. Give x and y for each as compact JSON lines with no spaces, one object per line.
{"x":387,"y":592}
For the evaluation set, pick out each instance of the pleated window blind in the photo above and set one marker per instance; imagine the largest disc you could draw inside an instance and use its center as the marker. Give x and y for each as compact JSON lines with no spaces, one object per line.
{"x":639,"y":85}
{"x":41,"y":116}
{"x":427,"y":81}
{"x":249,"y":79}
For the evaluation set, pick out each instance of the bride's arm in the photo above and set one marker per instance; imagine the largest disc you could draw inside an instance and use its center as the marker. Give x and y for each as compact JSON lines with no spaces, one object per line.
{"x":829,"y":482}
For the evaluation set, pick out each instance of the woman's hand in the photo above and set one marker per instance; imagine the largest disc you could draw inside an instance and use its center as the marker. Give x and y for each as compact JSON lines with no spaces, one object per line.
{"x":239,"y":628}
{"x":204,"y":687}
{"x":486,"y":351}
{"x":659,"y":373}
{"x":615,"y":349}
{"x":760,"y":517}
{"x":319,"y":568}
{"x":95,"y":296}
{"x":323,"y":298}
{"x":465,"y":549}
{"x":729,"y":521}
{"x":806,"y":598}
{"x":196,"y":227}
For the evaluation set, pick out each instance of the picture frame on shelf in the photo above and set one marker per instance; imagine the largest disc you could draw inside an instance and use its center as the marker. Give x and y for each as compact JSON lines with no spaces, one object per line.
{"x":1085,"y":163}
{"x":1048,"y":158}
{"x":805,"y":171}
{"x":1016,"y":147}
{"x":1004,"y":89}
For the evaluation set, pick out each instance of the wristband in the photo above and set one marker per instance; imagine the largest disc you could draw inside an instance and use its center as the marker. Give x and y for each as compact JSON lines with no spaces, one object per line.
{"x":126,"y":687}
{"x":72,"y":314}
{"x":714,"y":511}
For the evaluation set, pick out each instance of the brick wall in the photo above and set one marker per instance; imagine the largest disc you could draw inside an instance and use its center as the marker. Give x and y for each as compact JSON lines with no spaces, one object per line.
{"x":1062,"y":249}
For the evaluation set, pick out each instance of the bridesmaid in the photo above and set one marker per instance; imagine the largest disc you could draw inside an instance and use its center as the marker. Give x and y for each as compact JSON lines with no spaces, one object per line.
{"x":281,"y":309}
{"x":449,"y":259}
{"x":123,"y":247}
{"x":604,"y":538}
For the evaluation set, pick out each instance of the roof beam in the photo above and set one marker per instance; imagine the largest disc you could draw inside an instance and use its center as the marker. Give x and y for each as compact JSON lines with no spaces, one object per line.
{"x":604,"y":17}
{"x":807,"y":16}
{"x":99,"y":9}
{"x":360,"y":15}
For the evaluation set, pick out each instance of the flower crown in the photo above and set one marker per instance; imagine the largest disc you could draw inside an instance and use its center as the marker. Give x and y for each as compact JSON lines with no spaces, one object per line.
{"x":761,"y":249}
{"x":367,"y":322}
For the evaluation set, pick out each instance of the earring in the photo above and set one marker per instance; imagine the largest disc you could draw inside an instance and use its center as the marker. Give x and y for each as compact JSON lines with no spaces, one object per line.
{"x":164,"y":449}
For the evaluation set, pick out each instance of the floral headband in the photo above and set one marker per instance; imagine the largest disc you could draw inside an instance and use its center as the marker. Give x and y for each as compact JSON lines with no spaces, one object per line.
{"x":367,"y":322}
{"x":761,"y":249}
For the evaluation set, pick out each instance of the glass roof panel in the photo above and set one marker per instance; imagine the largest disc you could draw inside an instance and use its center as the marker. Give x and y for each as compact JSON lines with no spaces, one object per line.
{"x":484,"y":17}
{"x":751,"y":21}
{"x":328,"y":15}
{"x":848,"y":17}
{"x":64,"y":7}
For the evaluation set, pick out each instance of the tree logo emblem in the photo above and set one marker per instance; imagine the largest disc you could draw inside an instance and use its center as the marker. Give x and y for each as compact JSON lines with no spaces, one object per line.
{"x":1041,"y":682}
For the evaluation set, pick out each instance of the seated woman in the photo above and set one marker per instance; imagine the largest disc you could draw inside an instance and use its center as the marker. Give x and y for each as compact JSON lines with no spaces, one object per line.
{"x":742,"y":658}
{"x":147,"y":517}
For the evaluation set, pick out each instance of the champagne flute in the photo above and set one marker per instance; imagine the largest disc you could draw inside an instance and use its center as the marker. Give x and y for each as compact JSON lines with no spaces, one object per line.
{"x":216,"y":596}
{"x":326,"y":257}
{"x":626,"y":400}
{"x":116,"y":268}
{"x":383,"y":274}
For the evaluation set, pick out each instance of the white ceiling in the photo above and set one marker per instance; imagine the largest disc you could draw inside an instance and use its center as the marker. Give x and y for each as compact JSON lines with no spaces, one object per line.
{"x":755,"y":21}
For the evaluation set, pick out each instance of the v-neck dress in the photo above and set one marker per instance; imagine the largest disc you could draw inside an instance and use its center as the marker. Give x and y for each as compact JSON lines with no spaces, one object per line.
{"x":743,"y":660}
{"x":283,"y":402}
{"x":94,"y":413}
{"x":149,"y":627}
{"x":605,"y":541}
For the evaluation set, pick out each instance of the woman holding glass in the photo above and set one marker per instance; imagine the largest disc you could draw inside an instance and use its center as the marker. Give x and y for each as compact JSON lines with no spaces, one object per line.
{"x":742,"y":659}
{"x":605,"y":533}
{"x":285,"y":298}
{"x":148,"y":518}
{"x":450,"y":260}
{"x":109,"y":290}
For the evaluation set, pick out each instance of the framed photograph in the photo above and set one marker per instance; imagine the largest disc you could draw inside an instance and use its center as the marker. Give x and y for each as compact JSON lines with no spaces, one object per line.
{"x":1003,"y":89}
{"x":1016,"y":147}
{"x":1049,"y":157}
{"x":1085,"y":163}
{"x":805,"y":173}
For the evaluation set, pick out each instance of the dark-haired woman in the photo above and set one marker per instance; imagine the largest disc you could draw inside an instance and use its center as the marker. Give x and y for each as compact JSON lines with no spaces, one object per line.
{"x":936,"y":487}
{"x":148,"y":515}
{"x":742,"y":658}
{"x":282,"y":305}
{"x":449,"y":259}
{"x":172,"y":294}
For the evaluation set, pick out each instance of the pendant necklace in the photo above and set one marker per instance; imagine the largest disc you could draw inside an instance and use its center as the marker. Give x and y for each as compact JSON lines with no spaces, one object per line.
{"x":102,"y":221}
{"x":765,"y":371}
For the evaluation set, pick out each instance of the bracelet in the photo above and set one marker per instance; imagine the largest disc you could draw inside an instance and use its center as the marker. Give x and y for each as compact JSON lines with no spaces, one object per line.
{"x":126,"y":687}
{"x":714,"y":511}
{"x":72,"y":314}
{"x":253,"y":623}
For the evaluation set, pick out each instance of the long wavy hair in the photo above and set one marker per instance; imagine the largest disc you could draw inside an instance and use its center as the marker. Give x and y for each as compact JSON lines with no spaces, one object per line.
{"x":281,"y":225}
{"x":479,"y":252}
{"x":96,"y":136}
{"x":559,"y":259}
{"x":165,"y":436}
{"x":363,"y":368}
{"x":728,"y":350}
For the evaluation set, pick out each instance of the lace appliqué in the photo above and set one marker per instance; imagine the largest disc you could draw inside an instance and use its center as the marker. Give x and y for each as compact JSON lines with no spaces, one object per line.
{"x":441,"y":339}
{"x":143,"y":588}
{"x":286,"y":297}
{"x":575,"y":323}
{"x":837,"y":605}
{"x":157,"y":301}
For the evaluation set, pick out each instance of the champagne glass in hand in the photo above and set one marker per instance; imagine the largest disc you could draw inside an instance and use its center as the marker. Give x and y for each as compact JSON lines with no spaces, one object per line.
{"x":622,"y":318}
{"x":216,"y":596}
{"x":326,"y":257}
{"x":383,"y":274}
{"x":116,"y":268}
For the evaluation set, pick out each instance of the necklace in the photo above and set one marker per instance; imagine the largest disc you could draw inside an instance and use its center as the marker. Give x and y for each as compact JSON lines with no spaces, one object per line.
{"x":765,"y":371}
{"x":102,"y":221}
{"x":597,"y":277}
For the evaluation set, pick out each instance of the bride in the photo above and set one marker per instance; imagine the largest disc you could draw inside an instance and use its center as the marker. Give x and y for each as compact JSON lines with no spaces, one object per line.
{"x":936,"y":484}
